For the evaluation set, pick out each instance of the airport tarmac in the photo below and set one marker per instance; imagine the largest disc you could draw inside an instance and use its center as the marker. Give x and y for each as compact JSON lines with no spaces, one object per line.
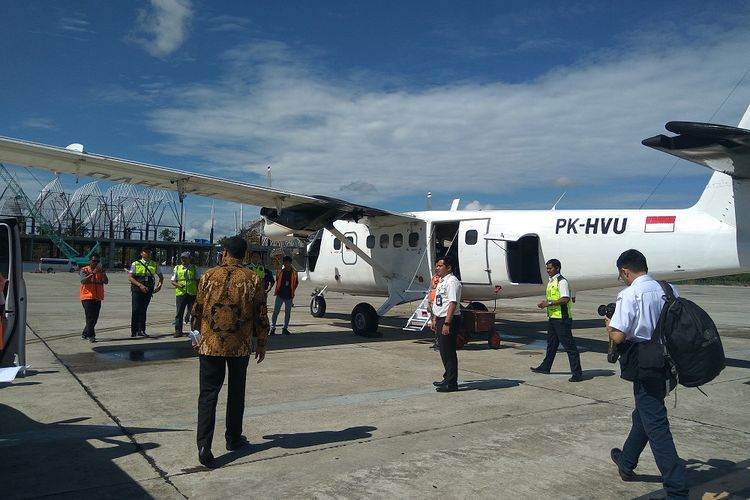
{"x":333,"y":415}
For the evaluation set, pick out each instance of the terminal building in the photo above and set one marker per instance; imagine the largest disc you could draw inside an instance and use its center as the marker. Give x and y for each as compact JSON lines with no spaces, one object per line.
{"x":114,"y":222}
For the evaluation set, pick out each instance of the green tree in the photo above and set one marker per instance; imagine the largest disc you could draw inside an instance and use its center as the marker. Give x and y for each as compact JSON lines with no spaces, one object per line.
{"x":167,"y":234}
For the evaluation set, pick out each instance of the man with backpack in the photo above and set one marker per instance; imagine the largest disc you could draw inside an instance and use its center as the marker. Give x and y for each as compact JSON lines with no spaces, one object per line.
{"x":633,"y":323}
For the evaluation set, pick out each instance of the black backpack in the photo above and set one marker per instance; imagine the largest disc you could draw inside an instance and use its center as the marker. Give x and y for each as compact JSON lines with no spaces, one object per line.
{"x":692,"y":342}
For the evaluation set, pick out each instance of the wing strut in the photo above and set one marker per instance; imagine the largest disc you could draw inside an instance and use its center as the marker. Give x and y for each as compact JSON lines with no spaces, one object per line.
{"x":351,"y":246}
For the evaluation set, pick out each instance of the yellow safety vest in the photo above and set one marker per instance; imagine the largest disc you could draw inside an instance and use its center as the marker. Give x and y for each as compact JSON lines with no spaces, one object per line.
{"x":186,"y":275}
{"x":259,"y":270}
{"x":553,"y":293}
{"x":145,"y":272}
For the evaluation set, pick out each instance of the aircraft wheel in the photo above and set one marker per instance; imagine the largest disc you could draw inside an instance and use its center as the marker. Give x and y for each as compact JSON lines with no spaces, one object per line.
{"x":494,"y":340}
{"x":317,"y":306}
{"x":50,"y":270}
{"x":364,"y":319}
{"x":476,"y":306}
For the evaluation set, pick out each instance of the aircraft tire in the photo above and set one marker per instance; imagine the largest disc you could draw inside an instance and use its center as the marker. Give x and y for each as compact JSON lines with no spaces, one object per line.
{"x":317,"y":306}
{"x":50,"y":270}
{"x":364,"y":320}
{"x":476,"y":306}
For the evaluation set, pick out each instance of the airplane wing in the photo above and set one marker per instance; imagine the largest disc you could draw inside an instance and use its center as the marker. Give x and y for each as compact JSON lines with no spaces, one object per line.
{"x":719,"y":147}
{"x":299,"y":213}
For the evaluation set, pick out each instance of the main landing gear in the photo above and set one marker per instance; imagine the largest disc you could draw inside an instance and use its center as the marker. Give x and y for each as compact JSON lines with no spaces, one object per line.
{"x":365,"y":320}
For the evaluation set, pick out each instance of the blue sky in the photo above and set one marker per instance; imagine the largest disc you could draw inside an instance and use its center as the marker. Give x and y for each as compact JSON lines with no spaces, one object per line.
{"x":503,"y":104}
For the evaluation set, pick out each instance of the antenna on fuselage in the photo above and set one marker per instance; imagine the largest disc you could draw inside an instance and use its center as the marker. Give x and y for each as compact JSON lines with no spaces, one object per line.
{"x":429,"y":200}
{"x":268,"y":174}
{"x":554,"y":207}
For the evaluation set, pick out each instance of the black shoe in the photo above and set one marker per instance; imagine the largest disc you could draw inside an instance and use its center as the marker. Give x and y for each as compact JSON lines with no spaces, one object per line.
{"x":438,"y":384}
{"x":446,"y":388}
{"x":205,"y":457}
{"x":286,"y":332}
{"x":142,"y":334}
{"x":92,"y":339}
{"x":179,"y":334}
{"x":237,"y":443}
{"x":625,"y":475}
{"x":575,"y":378}
{"x":539,"y":370}
{"x":84,"y":336}
{"x":272,"y":331}
{"x":134,"y":334}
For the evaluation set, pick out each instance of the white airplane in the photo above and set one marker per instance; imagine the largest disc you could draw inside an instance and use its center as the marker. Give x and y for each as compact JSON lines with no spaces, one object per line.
{"x":361,"y":250}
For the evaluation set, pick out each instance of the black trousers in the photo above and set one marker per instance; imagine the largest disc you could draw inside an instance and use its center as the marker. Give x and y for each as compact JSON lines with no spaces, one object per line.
{"x":447,"y":346}
{"x":183,"y":302}
{"x":91,"y":310}
{"x":559,"y":331}
{"x":140,"y":302}
{"x":212,"y":369}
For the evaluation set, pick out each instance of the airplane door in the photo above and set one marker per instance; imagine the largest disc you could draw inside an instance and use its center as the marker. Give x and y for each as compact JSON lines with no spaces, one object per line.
{"x":472,"y":251}
{"x":13,"y":290}
{"x":349,"y":256}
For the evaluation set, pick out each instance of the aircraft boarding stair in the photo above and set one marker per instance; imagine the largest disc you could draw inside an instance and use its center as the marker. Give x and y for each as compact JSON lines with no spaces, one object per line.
{"x":421,"y":316}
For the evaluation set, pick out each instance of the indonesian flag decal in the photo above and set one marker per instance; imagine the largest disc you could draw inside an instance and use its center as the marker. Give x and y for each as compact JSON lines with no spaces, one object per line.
{"x":660,"y":224}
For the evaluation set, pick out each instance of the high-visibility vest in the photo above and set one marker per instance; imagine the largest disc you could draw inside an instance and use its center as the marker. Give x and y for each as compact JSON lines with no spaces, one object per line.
{"x":435,"y":281}
{"x":93,"y":289}
{"x":145,"y":272}
{"x":557,"y":311}
{"x":186,"y":276}
{"x":293,"y":283}
{"x":259,"y":270}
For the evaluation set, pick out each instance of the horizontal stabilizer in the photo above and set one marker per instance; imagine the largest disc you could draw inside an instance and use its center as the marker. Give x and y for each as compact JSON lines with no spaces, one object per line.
{"x":719,"y":147}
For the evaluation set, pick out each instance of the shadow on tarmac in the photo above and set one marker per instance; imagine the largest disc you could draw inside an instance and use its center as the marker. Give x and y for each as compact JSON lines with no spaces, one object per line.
{"x":296,"y":441}
{"x":57,"y":459}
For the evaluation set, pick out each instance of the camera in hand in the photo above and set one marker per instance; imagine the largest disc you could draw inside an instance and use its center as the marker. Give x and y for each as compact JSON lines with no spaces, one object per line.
{"x":606,"y":310}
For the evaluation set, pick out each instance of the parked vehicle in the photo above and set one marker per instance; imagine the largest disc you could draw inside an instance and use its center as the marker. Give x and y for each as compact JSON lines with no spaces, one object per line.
{"x":51,"y":265}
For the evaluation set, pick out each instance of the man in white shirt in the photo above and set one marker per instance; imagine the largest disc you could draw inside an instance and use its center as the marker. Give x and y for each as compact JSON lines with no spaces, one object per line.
{"x":446,"y":320}
{"x":631,"y":327}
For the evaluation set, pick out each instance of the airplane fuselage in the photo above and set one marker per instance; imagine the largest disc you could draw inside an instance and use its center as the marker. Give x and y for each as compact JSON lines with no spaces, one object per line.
{"x":509,"y":248}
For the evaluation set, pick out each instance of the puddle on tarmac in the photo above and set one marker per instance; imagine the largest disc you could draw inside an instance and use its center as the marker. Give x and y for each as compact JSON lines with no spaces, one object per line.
{"x":140,"y":354}
{"x":102,"y":358}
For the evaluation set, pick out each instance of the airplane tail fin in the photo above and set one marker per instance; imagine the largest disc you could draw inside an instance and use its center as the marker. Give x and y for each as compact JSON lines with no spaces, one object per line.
{"x":722,"y":148}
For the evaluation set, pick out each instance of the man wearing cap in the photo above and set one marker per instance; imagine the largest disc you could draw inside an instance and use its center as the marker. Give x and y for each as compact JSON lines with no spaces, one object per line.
{"x":185,"y":281}
{"x":142,"y":276}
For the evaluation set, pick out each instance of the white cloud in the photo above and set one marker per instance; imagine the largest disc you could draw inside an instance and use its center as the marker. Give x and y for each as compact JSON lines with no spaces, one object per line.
{"x":577,"y":125}
{"x":163,"y":28}
{"x":478,"y":205}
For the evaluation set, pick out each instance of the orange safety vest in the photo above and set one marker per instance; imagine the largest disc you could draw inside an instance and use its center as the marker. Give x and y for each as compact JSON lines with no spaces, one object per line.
{"x":435,"y":281}
{"x":94,"y":289}
{"x":293,"y":284}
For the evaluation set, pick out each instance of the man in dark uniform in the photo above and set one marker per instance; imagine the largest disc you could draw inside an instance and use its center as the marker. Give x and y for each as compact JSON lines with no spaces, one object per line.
{"x":559,"y":308}
{"x":143,"y":285}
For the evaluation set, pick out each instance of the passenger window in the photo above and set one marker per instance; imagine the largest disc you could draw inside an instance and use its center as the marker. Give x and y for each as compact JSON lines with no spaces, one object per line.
{"x":383,"y":241}
{"x":471,"y":237}
{"x":336,"y":244}
{"x":413,"y":239}
{"x":398,"y":240}
{"x":371,"y":241}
